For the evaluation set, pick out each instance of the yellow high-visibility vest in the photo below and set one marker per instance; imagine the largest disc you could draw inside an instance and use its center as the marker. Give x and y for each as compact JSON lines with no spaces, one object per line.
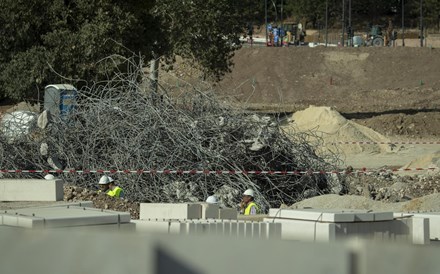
{"x":116,"y":192}
{"x":247,"y":211}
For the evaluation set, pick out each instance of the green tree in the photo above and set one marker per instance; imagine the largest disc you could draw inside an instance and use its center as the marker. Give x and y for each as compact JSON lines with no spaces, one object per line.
{"x":206,"y":31}
{"x":70,"y":37}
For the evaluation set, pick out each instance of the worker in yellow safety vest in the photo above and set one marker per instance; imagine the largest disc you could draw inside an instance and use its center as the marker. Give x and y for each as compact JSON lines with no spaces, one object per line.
{"x":247,"y":205}
{"x":107,"y":185}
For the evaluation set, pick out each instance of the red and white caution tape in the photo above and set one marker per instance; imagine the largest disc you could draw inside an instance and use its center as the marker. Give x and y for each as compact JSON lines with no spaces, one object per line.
{"x":383,"y":143}
{"x":215,"y":172}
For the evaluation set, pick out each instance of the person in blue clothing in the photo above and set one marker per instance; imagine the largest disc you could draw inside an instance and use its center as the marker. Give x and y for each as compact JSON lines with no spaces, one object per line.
{"x":276,"y":36}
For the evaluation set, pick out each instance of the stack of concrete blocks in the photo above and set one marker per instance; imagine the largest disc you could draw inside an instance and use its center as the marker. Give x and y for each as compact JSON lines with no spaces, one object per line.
{"x":231,"y":228}
{"x":186,"y":211}
{"x":332,"y":225}
{"x":31,"y":190}
{"x":434,"y":222}
{"x":200,"y":219}
{"x":67,"y":217}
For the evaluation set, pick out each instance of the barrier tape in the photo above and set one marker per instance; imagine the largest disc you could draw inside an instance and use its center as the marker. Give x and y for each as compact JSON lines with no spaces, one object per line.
{"x":384,"y":143}
{"x":213,"y":172}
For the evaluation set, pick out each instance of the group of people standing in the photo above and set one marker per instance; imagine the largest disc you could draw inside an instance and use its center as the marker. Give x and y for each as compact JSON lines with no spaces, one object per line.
{"x":278,"y":37}
{"x":248,"y":206}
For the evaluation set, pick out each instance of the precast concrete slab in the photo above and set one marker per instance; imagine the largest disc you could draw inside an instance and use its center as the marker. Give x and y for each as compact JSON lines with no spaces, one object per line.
{"x":52,"y":217}
{"x":434,"y":223}
{"x":31,"y":190}
{"x":305,"y":230}
{"x":77,"y":204}
{"x":332,"y":216}
{"x":227,"y":214}
{"x":170,"y":211}
{"x":123,"y":227}
{"x":420,"y":231}
{"x":161,"y":227}
{"x":209,"y":211}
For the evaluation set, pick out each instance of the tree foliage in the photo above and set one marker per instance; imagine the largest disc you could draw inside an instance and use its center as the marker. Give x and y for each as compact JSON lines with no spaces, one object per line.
{"x":73,"y":37}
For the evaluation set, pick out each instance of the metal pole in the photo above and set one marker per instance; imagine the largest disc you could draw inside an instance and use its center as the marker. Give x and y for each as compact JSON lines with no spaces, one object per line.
{"x":282,"y":28}
{"x":326,"y":23}
{"x":265,"y":17}
{"x":403,"y":23}
{"x":343,"y":23}
{"x":421,"y":23}
{"x":349,"y":23}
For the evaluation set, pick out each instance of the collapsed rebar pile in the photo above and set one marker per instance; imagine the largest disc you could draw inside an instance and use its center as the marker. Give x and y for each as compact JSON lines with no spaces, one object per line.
{"x":121,"y":125}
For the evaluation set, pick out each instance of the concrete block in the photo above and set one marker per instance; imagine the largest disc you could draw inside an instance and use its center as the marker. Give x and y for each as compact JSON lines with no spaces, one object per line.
{"x":383,"y":216}
{"x":306,"y":230}
{"x":420,"y":230}
{"x":227,"y":228}
{"x":123,"y":227}
{"x":255,"y":230}
{"x":264,"y":230}
{"x":174,"y":227}
{"x":22,"y":221}
{"x":333,"y":216}
{"x":212,"y":228}
{"x":151,"y":226}
{"x":241,"y":229}
{"x":62,"y":217}
{"x":78,"y":204}
{"x":209,"y":211}
{"x":227,"y":214}
{"x":234,"y":229}
{"x":31,"y":190}
{"x":274,"y":230}
{"x":170,"y":211}
{"x":434,"y":223}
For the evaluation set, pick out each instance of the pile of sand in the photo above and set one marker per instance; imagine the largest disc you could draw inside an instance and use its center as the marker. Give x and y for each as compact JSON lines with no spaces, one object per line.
{"x":332,"y":127}
{"x":429,"y":161}
{"x":333,"y":201}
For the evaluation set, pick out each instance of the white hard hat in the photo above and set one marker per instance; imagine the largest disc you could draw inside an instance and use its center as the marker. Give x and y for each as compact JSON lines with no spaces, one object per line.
{"x":104,"y":180}
{"x":249,"y":192}
{"x":49,"y":177}
{"x":110,"y":179}
{"x":211,"y":200}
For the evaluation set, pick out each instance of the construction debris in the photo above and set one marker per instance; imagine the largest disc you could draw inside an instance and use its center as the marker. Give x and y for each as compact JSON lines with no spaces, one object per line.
{"x":120,"y":125}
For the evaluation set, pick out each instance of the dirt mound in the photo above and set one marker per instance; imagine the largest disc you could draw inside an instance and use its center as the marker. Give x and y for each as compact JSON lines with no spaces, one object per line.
{"x":332,"y":127}
{"x":429,"y":161}
{"x":101,"y":200}
{"x":414,"y":126}
{"x":332,"y":201}
{"x":349,"y":79}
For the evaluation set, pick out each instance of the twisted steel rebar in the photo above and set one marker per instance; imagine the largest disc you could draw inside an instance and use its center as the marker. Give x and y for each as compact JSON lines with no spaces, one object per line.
{"x":120,"y":124}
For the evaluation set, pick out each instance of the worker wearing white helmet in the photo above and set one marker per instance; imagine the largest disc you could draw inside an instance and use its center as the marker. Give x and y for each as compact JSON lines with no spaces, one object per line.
{"x":247,"y":205}
{"x":107,"y":185}
{"x":212,"y":200}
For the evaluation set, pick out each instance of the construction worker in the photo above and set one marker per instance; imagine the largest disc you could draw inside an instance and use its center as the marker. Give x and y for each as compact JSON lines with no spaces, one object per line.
{"x":212,"y":200}
{"x":247,"y":205}
{"x":107,"y":185}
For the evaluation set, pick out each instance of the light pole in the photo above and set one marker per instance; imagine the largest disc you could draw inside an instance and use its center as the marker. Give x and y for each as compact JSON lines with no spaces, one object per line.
{"x":403,"y":23}
{"x":421,"y":23}
{"x":326,"y":23}
{"x":343,"y":24}
{"x":349,"y":24}
{"x":265,"y":17}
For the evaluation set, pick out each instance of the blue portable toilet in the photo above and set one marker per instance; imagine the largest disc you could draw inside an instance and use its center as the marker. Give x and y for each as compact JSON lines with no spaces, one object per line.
{"x":60,"y":99}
